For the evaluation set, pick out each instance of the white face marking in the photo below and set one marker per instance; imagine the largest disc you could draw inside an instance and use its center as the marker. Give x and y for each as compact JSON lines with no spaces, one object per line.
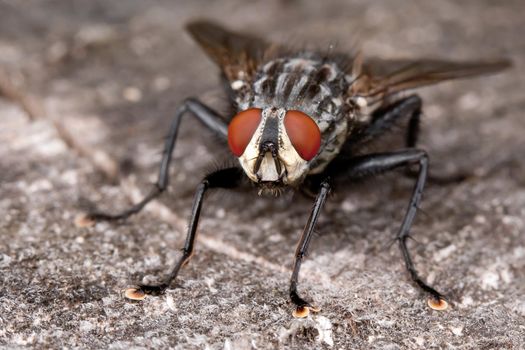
{"x":267,"y":171}
{"x":293,"y":167}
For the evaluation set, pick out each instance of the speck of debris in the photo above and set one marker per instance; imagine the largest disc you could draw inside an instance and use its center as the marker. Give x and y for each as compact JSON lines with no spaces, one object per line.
{"x":83,"y":220}
{"x":132,"y":94}
{"x":321,"y":325}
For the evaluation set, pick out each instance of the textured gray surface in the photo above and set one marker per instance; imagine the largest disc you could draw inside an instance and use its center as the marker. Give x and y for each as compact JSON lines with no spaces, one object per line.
{"x":113,"y":74}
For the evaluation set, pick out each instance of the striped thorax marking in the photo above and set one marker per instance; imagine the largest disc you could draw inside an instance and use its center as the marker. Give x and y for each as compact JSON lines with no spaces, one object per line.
{"x":308,"y":84}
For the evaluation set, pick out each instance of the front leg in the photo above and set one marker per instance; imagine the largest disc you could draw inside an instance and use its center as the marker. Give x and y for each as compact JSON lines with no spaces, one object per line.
{"x":209,"y":118}
{"x":382,"y":162}
{"x":303,"y":307}
{"x":225,"y":178}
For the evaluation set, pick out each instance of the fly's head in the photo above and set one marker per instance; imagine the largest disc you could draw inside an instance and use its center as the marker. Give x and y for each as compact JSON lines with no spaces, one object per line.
{"x":274,"y":145}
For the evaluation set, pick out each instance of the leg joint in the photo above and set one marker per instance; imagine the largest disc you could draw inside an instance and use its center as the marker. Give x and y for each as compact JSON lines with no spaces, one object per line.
{"x":415,"y":100}
{"x":325,"y":185}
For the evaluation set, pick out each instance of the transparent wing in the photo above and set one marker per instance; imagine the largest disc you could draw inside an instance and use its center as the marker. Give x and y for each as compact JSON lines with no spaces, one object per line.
{"x":383,"y":77}
{"x":238,"y":55}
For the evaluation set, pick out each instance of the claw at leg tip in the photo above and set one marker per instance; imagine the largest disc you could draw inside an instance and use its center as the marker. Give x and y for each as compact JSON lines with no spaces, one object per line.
{"x":84,"y":220}
{"x":438,"y":304}
{"x":304,"y":311}
{"x":135,"y":293}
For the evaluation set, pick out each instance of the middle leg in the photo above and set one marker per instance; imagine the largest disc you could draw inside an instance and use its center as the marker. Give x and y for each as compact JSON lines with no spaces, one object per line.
{"x":384,"y":118}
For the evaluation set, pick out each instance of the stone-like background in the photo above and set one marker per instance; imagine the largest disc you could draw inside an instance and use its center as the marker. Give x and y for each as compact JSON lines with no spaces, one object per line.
{"x":102,"y":79}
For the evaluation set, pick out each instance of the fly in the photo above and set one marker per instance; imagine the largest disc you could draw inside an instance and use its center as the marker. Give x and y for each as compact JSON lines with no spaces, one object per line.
{"x":302,"y":120}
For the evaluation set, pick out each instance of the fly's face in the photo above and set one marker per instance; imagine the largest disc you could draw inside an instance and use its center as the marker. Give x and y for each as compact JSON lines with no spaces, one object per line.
{"x":274,"y":146}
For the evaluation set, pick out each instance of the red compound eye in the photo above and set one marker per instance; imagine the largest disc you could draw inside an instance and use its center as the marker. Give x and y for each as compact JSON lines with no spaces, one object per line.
{"x":241,"y":129}
{"x":304,"y":134}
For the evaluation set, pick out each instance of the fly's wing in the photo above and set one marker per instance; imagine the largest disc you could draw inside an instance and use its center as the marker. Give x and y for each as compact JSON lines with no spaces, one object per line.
{"x":376,"y":80}
{"x":238,"y":55}
{"x":379,"y":78}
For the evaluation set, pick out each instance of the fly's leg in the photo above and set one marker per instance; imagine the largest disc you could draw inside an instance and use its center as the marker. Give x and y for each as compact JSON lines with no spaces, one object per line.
{"x":225,"y":178}
{"x":384,"y":118}
{"x":413,"y":129}
{"x":302,"y":306}
{"x":411,"y":106}
{"x":211,"y":119}
{"x":383,"y":162}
